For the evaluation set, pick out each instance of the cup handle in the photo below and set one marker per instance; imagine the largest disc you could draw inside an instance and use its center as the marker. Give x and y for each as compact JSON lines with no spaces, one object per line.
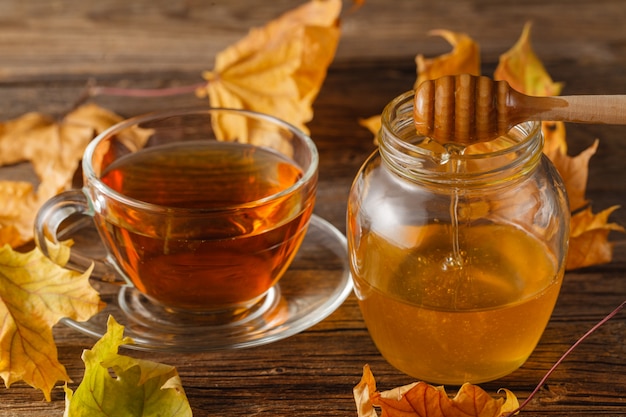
{"x":65,"y":214}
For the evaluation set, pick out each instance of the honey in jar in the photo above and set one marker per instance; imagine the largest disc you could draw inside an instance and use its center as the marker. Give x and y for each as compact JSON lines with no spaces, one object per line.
{"x":457,"y":254}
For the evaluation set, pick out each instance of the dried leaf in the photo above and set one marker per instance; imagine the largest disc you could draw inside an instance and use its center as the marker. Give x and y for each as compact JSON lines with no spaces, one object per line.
{"x":372,"y":124}
{"x":277,"y":69}
{"x":589,"y":243}
{"x":55,"y":150}
{"x":575,"y":172}
{"x":524,"y":71}
{"x":464,"y":58}
{"x":554,"y":138}
{"x":16,"y":218}
{"x":136,"y":388}
{"x":35,"y":293}
{"x":357,"y":4}
{"x":423,"y":400}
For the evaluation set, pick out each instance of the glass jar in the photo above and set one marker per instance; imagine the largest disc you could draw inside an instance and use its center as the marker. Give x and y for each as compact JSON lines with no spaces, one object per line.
{"x":457,"y":254}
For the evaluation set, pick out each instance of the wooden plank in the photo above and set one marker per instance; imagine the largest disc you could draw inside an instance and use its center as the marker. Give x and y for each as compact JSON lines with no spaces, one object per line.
{"x":42,"y":39}
{"x":49,"y":51}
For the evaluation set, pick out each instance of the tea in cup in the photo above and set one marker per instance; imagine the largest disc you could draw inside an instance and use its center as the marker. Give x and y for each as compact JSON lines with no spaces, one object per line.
{"x":203,"y":213}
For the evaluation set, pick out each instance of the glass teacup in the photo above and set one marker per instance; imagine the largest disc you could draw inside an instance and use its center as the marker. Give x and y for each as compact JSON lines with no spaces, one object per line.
{"x":201,"y":210}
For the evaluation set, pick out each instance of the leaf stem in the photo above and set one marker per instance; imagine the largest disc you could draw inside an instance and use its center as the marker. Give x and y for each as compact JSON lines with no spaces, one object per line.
{"x":93,"y":90}
{"x":562,"y":358}
{"x":143,"y":92}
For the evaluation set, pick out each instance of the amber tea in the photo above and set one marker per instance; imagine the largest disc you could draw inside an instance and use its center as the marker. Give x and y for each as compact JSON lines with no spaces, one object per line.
{"x":218,"y":239}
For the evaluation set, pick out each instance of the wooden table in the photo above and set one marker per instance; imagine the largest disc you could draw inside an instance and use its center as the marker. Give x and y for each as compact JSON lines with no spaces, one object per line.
{"x":49,"y":50}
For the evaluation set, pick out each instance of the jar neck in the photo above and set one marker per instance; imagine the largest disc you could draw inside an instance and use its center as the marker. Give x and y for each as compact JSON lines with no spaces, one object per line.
{"x":420,"y":159}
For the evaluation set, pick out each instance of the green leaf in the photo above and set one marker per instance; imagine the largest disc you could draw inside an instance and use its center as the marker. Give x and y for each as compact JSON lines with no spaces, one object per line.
{"x":118,"y":385}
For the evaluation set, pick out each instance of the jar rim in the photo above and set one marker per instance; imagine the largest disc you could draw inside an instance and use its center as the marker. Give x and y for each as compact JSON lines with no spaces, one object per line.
{"x":413,"y":157}
{"x":533,"y":128}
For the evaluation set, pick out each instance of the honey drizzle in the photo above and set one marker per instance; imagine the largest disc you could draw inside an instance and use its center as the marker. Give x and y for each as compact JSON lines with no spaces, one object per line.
{"x":456,"y":259}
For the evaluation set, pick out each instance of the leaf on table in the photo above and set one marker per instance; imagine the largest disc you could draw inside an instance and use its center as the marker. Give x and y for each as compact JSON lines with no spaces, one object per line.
{"x":524,"y":71}
{"x":589,"y":244}
{"x":463,"y":59}
{"x":575,"y":172}
{"x":118,"y":385}
{"x":373,"y":124}
{"x":277,"y":69}
{"x":357,"y":4}
{"x":554,"y":138}
{"x":54,"y":148}
{"x":423,"y":400}
{"x":35,"y":293}
{"x":16,"y":221}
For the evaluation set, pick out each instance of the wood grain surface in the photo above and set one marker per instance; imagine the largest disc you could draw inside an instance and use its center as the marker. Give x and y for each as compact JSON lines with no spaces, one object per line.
{"x":49,"y":51}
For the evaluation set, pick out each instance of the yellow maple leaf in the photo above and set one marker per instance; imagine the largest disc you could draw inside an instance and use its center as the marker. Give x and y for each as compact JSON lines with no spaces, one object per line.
{"x":463,"y":59}
{"x":54,"y":149}
{"x":35,"y":293}
{"x":16,"y":212}
{"x":524,"y":71}
{"x":277,"y":69}
{"x":420,"y":399}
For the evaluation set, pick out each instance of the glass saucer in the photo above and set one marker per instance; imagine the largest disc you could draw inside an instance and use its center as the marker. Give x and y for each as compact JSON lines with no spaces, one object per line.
{"x":316,"y":284}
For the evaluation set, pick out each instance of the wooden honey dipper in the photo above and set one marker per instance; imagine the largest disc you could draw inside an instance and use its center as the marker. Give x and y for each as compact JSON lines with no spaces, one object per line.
{"x":466,"y":109}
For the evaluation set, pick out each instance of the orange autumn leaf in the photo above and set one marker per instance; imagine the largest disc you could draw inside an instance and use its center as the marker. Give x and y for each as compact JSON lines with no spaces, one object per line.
{"x":423,"y":400}
{"x":54,"y":148}
{"x":277,"y":69}
{"x":373,"y":124}
{"x":589,"y":244}
{"x":357,"y":4}
{"x":575,"y":172}
{"x":464,"y":58}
